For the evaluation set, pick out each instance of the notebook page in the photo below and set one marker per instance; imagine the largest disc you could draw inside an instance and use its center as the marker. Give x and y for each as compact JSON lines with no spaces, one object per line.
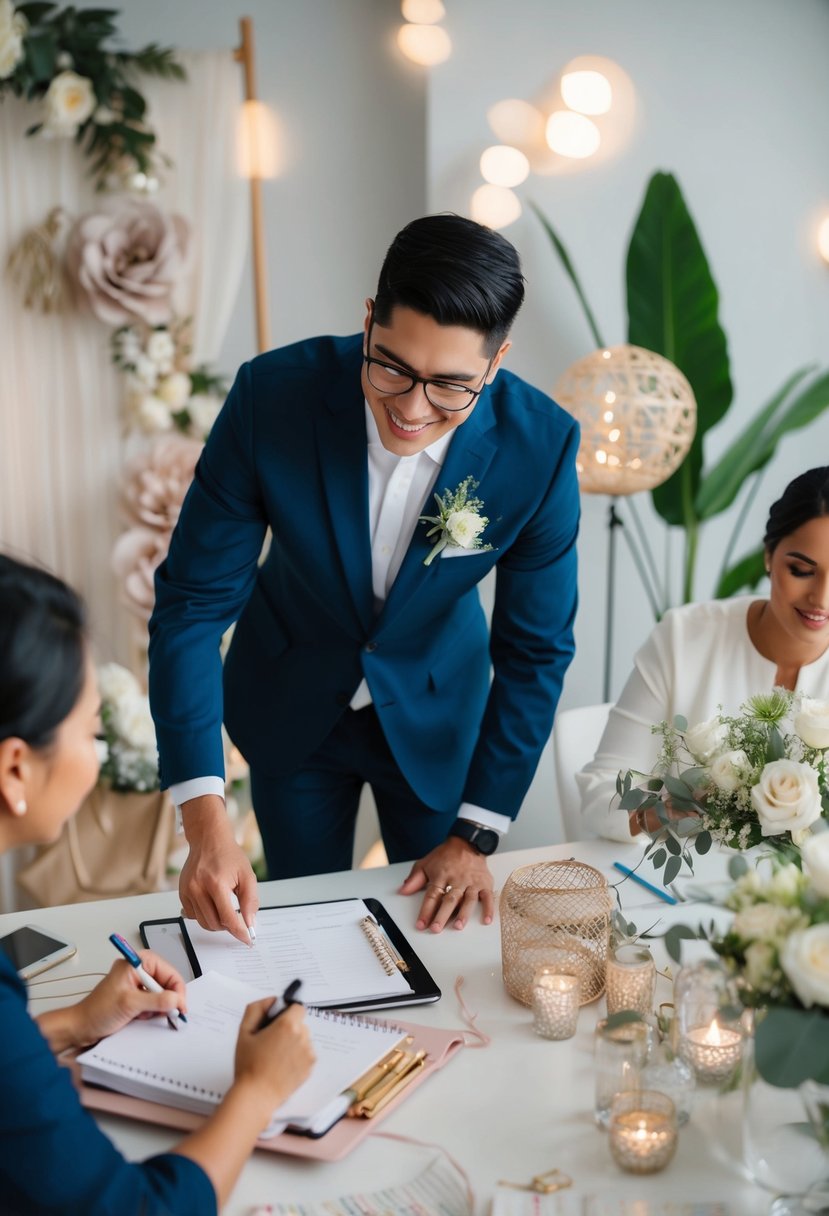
{"x":322,"y":944}
{"x":193,"y":1068}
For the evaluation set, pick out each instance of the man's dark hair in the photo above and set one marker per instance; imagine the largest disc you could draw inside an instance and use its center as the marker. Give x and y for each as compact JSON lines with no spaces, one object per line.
{"x":43,"y":643}
{"x":456,"y":271}
{"x":804,"y":499}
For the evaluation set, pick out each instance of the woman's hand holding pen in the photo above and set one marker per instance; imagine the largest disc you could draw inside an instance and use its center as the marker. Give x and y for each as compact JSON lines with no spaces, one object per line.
{"x":273,"y":1059}
{"x":116,"y":1000}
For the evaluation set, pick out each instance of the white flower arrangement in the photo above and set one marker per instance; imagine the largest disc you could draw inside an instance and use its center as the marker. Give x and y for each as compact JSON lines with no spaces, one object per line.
{"x":131,"y":761}
{"x":458,"y":523}
{"x":758,"y":777}
{"x":163,"y":392}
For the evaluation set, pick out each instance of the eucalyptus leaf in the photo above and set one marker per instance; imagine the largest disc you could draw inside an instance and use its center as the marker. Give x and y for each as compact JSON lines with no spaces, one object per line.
{"x":674,"y":938}
{"x":792,"y":1046}
{"x":623,"y":1018}
{"x":703,"y":842}
{"x":672,"y":867}
{"x":659,"y":858}
{"x":672,"y":845}
{"x":633,"y":799}
{"x":737,"y":866}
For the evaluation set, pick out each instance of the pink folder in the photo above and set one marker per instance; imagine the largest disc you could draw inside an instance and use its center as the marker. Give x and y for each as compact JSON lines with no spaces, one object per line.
{"x":439,"y":1045}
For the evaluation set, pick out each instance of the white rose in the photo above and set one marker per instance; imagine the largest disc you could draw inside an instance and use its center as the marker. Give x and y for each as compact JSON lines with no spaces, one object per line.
{"x":729,"y":771}
{"x":760,"y":966}
{"x":13,"y":27}
{"x":786,"y":798}
{"x":706,"y":740}
{"x":174,"y":390}
{"x":786,"y":884}
{"x":69,"y":101}
{"x":464,"y":527}
{"x":203,"y":411}
{"x":161,"y":348}
{"x":116,"y":683}
{"x":805,"y":960}
{"x":812,"y":723}
{"x":154,"y":414}
{"x":134,"y":724}
{"x":763,"y":922}
{"x":816,"y":862}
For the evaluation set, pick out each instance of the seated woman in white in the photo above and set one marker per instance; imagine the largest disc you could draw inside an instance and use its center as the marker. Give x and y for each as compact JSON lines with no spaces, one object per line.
{"x":706,"y":655}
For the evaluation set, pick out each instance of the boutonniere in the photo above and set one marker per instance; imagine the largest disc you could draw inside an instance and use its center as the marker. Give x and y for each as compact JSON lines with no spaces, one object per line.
{"x":459,"y":522}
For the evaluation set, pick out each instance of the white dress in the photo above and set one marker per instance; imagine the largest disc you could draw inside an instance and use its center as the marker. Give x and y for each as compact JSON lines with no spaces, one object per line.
{"x":698,"y":658}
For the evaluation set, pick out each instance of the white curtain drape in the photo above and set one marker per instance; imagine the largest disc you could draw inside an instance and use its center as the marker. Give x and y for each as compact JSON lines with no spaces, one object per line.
{"x":61,"y":439}
{"x":61,"y":447}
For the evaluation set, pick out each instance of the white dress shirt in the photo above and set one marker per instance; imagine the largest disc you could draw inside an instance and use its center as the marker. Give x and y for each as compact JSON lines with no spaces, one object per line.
{"x":398,"y":487}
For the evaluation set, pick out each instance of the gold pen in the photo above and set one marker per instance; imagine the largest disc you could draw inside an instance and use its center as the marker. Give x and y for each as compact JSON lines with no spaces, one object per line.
{"x":375,"y":1075}
{"x":391,"y":1085}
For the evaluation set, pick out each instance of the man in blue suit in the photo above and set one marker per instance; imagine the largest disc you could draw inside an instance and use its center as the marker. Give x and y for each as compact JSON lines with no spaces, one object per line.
{"x":361,"y":652}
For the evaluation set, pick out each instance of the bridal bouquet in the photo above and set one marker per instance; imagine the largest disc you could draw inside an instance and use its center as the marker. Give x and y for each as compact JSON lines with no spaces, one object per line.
{"x":760,"y":776}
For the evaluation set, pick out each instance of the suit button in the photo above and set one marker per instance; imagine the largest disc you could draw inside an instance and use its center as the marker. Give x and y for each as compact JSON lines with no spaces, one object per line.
{"x":342,"y":698}
{"x":370,"y":646}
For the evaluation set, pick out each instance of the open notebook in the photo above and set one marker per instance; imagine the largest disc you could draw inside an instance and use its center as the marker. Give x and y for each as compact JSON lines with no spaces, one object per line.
{"x":193,"y":1069}
{"x":348,"y":952}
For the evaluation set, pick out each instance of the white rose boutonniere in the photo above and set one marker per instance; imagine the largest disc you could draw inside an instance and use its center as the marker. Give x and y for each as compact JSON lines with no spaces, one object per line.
{"x":786,"y":798}
{"x":459,"y":521}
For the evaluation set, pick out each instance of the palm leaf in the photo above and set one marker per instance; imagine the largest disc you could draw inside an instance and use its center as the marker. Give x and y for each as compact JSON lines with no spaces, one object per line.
{"x":672,"y":309}
{"x":746,"y":573}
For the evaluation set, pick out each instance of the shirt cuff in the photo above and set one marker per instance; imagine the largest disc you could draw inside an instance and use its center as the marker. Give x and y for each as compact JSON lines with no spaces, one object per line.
{"x":197,"y":787}
{"x":487,"y":819}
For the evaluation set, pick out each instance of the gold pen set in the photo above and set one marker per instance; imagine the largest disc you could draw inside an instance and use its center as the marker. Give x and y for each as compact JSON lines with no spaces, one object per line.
{"x":376,"y":1088}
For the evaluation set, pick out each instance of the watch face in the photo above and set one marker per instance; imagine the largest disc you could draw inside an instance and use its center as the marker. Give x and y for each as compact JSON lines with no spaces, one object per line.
{"x":486,"y":841}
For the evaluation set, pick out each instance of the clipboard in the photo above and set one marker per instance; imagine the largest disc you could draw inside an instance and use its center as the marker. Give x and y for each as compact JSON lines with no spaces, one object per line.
{"x":169,"y":937}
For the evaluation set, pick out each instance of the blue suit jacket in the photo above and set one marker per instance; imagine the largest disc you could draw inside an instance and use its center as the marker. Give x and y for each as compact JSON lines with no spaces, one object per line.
{"x":289,"y":451}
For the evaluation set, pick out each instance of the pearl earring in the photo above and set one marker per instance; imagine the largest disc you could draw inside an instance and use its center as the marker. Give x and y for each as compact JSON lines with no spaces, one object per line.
{"x":22,"y":807}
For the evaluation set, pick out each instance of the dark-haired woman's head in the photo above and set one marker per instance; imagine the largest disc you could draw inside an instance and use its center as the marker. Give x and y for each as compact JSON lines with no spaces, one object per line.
{"x":48,"y":702}
{"x":797,"y":561}
{"x":456,"y":271}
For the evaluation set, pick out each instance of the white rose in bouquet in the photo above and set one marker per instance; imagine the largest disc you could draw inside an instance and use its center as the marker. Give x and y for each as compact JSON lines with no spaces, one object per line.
{"x":154,"y":414}
{"x":174,"y":390}
{"x":116,"y":684}
{"x":69,"y":101}
{"x":805,"y":961}
{"x":815,"y":852}
{"x":161,"y":349}
{"x":133,"y":722}
{"x":760,"y":965}
{"x":706,"y":740}
{"x":765,"y":923}
{"x":729,"y":771}
{"x":786,"y":798}
{"x":811,"y":723}
{"x":464,"y":527}
{"x":13,"y":27}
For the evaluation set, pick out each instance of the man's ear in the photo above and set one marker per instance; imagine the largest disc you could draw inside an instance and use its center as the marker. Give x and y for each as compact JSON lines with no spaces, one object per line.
{"x":496,"y":362}
{"x":367,"y":322}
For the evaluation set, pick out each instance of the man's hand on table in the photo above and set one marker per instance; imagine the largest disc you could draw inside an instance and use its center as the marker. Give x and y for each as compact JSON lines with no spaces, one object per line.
{"x":454,"y":877}
{"x":215,"y":869}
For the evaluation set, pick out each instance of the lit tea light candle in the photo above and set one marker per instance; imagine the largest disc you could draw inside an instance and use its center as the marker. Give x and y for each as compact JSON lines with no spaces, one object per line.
{"x":712,"y":1051}
{"x":642,"y":1131}
{"x":631,"y":979}
{"x":555,"y":1004}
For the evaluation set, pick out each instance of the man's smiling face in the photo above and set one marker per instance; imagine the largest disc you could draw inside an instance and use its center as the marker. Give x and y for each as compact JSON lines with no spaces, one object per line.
{"x":413,"y":343}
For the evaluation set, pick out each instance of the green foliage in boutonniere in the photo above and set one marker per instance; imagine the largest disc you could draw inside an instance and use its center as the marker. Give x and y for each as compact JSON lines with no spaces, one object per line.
{"x":459,"y":522}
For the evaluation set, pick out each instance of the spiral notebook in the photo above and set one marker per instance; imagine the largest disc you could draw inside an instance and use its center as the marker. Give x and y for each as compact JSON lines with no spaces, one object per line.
{"x":193,"y":1070}
{"x":348,"y":953}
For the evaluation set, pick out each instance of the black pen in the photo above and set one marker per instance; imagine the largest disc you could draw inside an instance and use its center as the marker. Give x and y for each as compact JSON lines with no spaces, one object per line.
{"x":289,"y":997}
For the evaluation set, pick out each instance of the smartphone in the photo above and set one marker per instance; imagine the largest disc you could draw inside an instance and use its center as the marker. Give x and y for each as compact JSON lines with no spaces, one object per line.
{"x":32,"y":950}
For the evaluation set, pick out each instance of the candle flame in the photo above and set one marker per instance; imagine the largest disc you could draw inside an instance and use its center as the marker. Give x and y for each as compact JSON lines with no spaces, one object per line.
{"x":712,"y":1035}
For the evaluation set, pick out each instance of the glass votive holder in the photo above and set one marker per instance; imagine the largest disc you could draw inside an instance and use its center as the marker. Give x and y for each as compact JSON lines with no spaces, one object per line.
{"x":631,"y":980}
{"x":620,"y":1052}
{"x":709,"y":1030}
{"x":555,"y":1003}
{"x":643,"y":1131}
{"x":669,"y":1074}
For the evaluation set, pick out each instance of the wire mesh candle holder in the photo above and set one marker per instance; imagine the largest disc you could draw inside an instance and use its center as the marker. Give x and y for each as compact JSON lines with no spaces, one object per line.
{"x":555,"y":914}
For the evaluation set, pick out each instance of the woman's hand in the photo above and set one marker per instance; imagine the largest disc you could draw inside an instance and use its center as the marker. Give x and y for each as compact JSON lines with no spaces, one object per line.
{"x":649,"y":821}
{"x":273,"y":1060}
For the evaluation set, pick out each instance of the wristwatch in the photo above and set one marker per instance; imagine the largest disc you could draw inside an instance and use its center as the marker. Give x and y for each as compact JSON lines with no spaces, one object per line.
{"x":485,"y":840}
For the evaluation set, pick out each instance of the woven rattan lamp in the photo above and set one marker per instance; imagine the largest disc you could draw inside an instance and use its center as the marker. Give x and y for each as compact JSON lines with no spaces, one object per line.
{"x":638,"y":419}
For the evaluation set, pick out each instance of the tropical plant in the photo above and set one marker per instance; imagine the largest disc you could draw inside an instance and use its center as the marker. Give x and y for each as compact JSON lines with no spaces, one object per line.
{"x":672,"y":304}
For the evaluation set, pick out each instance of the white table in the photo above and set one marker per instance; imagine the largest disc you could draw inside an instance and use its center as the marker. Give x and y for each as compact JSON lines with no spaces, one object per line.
{"x":512,"y":1110}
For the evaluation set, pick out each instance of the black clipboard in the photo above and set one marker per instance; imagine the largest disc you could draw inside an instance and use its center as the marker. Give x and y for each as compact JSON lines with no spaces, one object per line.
{"x":424,"y":990}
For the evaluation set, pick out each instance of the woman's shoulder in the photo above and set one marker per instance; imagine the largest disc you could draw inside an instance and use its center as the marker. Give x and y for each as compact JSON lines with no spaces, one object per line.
{"x":706,"y":614}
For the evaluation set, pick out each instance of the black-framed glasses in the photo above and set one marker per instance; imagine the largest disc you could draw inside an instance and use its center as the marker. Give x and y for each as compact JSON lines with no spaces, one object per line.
{"x":395,"y":381}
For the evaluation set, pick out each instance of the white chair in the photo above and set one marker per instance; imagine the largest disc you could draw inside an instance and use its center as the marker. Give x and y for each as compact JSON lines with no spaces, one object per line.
{"x":576,"y":735}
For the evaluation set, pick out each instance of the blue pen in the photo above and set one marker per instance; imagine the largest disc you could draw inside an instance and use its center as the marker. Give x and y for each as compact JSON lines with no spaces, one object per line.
{"x":643,"y":882}
{"x":147,"y":981}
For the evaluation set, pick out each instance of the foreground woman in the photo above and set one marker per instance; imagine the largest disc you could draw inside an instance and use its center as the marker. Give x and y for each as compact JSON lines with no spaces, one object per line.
{"x":705,"y":655}
{"x":53,"y":1157}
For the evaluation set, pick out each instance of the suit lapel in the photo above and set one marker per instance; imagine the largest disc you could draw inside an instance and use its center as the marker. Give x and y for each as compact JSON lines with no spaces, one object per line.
{"x":341,"y":438}
{"x":470,"y":455}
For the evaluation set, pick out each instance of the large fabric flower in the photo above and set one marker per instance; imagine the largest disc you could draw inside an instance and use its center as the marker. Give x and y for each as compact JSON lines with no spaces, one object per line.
{"x":125,"y":264}
{"x":134,"y":559}
{"x":157,"y":480}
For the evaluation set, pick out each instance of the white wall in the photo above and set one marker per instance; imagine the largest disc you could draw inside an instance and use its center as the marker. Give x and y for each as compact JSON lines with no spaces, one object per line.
{"x":734,"y":100}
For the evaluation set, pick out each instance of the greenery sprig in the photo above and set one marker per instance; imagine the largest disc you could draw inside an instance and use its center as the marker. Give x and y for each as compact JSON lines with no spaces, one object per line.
{"x":59,"y":43}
